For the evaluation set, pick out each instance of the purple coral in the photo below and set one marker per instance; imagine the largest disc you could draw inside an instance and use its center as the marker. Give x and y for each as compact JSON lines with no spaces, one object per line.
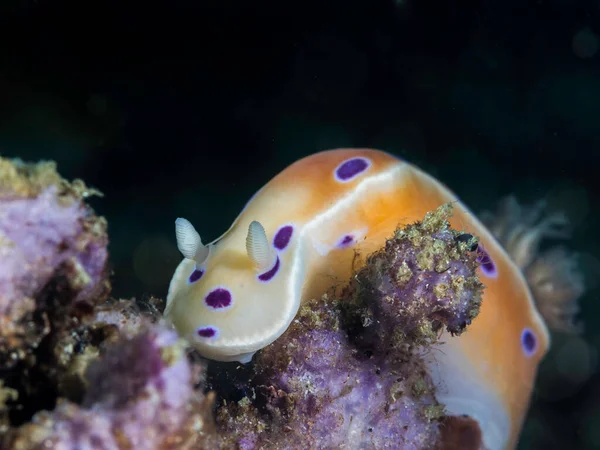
{"x":50,"y":241}
{"x":56,"y":322}
{"x":53,"y":256}
{"x":318,"y":391}
{"x":140,"y":397}
{"x":423,"y":279}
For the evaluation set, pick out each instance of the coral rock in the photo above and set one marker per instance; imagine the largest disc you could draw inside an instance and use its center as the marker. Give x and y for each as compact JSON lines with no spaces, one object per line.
{"x":52,"y":254}
{"x":315,"y":390}
{"x":140,"y":396}
{"x":424,"y":278}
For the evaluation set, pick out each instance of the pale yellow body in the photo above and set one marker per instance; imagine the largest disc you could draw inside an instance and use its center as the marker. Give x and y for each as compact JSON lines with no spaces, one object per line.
{"x":483,"y":373}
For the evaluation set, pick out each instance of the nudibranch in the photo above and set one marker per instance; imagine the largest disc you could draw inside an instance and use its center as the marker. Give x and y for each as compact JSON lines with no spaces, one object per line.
{"x":314,"y":224}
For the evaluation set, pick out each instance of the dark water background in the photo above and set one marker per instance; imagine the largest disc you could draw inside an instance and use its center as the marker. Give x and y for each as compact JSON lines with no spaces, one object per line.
{"x":185,"y":108}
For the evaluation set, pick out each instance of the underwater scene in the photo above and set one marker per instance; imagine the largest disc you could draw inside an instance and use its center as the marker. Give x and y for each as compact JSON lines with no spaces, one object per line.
{"x":360,"y":224}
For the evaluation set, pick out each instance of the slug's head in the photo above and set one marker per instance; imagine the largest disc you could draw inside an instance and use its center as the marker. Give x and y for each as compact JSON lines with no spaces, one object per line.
{"x":232,"y":297}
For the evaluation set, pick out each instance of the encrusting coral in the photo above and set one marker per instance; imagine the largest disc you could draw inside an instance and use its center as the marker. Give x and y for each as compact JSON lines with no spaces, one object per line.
{"x":424,"y":278}
{"x":140,"y":396}
{"x":52,"y":252}
{"x":79,"y":370}
{"x":53,"y":256}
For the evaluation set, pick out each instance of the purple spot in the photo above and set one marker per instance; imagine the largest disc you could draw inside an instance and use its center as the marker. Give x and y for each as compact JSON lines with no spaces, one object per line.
{"x":351,"y":168}
{"x":196,"y":275}
{"x":345,"y":241}
{"x":529,"y":342}
{"x":487,"y":264}
{"x":207,"y":332}
{"x":218,"y":298}
{"x":267,"y":276}
{"x":283,"y":237}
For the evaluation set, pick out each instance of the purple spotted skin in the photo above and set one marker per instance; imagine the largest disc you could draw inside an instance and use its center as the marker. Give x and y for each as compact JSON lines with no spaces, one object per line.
{"x":283,"y":237}
{"x":351,"y":168}
{"x":268,"y":276}
{"x":487,"y":264}
{"x":196,"y":275}
{"x":207,"y":332}
{"x":529,"y":342}
{"x":218,"y":298}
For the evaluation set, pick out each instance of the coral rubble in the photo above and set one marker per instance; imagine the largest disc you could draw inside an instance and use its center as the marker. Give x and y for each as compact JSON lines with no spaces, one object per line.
{"x":140,"y":396}
{"x":79,"y":370}
{"x":52,"y":252}
{"x":424,"y":278}
{"x":53,"y":257}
